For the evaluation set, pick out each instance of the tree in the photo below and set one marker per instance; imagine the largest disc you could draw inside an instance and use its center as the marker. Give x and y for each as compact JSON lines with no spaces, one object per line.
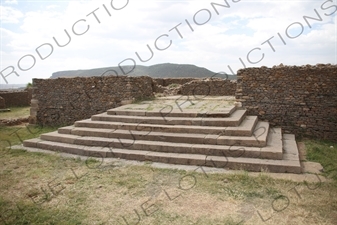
{"x":29,"y":85}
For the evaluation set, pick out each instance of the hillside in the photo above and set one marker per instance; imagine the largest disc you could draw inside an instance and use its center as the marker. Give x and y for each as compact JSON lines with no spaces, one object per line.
{"x":11,"y":87}
{"x":159,"y":70}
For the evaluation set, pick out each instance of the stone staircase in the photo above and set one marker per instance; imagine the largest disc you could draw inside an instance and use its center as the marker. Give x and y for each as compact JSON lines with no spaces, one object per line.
{"x":209,"y":132}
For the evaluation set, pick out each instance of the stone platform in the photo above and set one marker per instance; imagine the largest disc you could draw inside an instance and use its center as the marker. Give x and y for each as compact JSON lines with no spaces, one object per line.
{"x":194,"y":130}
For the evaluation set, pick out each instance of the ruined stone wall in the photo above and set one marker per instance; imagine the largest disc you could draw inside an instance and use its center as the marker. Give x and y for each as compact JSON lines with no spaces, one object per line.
{"x":16,"y":98}
{"x":300,"y":99}
{"x":209,"y":86}
{"x":63,"y":101}
{"x":2,"y":103}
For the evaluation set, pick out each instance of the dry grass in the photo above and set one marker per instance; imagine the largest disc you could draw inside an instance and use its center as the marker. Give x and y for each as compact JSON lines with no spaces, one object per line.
{"x":75,"y":191}
{"x":17,"y":134}
{"x":16,"y":112}
{"x":88,"y":192}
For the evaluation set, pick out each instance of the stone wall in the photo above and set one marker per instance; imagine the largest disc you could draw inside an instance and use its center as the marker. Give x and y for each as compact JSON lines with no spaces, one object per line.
{"x":300,"y":99}
{"x":2,"y":103}
{"x":209,"y":86}
{"x":17,"y":98}
{"x":63,"y":101}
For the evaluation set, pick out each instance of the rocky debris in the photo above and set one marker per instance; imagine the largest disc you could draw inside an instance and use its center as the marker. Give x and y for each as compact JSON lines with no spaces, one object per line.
{"x":170,"y":90}
{"x":169,"y":86}
{"x":169,"y":81}
{"x":209,"y":87}
{"x":13,"y":122}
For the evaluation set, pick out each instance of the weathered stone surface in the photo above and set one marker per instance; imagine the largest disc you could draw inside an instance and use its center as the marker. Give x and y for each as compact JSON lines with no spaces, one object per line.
{"x":63,"y":101}
{"x":300,"y":99}
{"x":2,"y":103}
{"x":16,"y":98}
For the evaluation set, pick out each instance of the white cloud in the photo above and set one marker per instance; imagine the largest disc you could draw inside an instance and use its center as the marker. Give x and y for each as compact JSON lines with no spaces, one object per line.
{"x":10,"y":15}
{"x":220,"y":42}
{"x":11,"y":2}
{"x":52,"y":6}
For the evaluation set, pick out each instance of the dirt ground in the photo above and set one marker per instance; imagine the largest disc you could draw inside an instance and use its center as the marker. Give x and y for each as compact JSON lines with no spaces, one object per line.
{"x":117,"y":191}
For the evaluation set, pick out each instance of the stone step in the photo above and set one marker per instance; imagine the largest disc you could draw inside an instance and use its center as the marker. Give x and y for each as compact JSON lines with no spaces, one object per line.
{"x":289,"y":163}
{"x":290,"y":149}
{"x":258,"y":139}
{"x":273,"y":150}
{"x":169,"y":111}
{"x":200,"y":133}
{"x":234,"y":120}
{"x":246,"y":128}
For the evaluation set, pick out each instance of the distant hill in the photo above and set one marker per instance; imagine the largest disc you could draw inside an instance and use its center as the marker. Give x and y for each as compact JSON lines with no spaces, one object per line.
{"x":8,"y":87}
{"x":159,"y":71}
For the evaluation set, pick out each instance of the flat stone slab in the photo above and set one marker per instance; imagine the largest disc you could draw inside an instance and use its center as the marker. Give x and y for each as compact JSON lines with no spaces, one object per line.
{"x":246,"y":128}
{"x":206,"y":144}
{"x":286,"y":165}
{"x":235,"y":119}
{"x":180,"y":106}
{"x":170,"y":112}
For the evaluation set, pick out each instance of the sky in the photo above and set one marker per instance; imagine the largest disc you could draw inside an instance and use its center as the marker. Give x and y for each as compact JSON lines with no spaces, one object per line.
{"x":222,"y":36}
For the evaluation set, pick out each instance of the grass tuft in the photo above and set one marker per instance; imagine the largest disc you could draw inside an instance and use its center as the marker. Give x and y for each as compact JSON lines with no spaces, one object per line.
{"x":324,"y":152}
{"x":16,"y":112}
{"x":14,"y":135}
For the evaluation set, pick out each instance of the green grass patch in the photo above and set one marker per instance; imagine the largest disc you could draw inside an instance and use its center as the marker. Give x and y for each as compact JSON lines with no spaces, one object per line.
{"x":14,"y":135}
{"x":25,"y":212}
{"x":239,"y":186}
{"x":141,"y":99}
{"x":16,"y":112}
{"x":103,"y":194}
{"x":324,"y":152}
